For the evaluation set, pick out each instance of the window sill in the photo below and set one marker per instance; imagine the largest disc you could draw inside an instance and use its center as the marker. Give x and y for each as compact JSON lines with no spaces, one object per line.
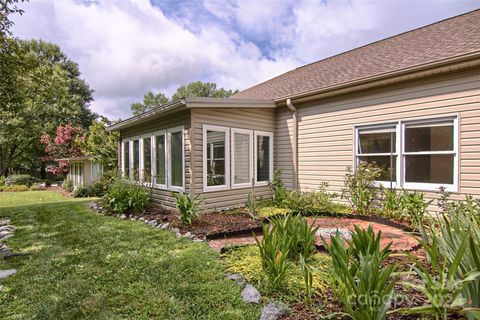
{"x":215,"y":188}
{"x":430,"y":187}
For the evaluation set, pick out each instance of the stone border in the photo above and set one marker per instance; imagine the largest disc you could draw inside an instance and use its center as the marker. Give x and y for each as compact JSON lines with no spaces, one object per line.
{"x":7,"y":231}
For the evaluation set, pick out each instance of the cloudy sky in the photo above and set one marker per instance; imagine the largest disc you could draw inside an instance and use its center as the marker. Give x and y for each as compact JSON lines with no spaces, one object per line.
{"x":127,"y":47}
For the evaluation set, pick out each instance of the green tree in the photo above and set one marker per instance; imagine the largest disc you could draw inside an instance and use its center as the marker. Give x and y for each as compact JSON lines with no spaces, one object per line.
{"x":102,"y":144}
{"x":150,"y":101}
{"x":193,"y":89}
{"x":40,"y":88}
{"x":8,"y":7}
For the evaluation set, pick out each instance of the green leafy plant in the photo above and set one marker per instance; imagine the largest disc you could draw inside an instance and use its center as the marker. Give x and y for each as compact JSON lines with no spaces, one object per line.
{"x":126,"y":195}
{"x":2,"y":181}
{"x":37,"y":187}
{"x":20,"y":179}
{"x":360,"y":187}
{"x":15,"y":188}
{"x":251,"y":205}
{"x":67,"y":185}
{"x":363,"y":283}
{"x":308,"y":279}
{"x":188,"y":207}
{"x":392,"y":205}
{"x":81,"y":192}
{"x":278,"y":188}
{"x":415,"y":207}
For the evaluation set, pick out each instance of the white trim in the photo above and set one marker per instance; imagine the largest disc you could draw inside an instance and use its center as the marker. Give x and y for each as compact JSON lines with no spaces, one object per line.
{"x":263,"y":134}
{"x":250,"y":158}
{"x":154,"y":161}
{"x":169,"y":158}
{"x":226,"y":131}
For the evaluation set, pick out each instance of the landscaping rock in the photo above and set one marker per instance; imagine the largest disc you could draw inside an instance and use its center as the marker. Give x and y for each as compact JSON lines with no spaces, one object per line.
{"x":122,"y":216}
{"x":329,"y":232}
{"x":273,"y":310}
{"x":7,"y":273}
{"x":5,"y":222}
{"x":165,"y":225}
{"x":188,"y":235}
{"x":5,"y":237}
{"x":153,"y":223}
{"x":7,"y":228}
{"x":238,"y":278}
{"x":176,"y":230}
{"x":251,"y":295}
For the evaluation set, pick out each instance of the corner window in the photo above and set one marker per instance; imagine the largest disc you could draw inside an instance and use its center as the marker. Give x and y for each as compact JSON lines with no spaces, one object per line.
{"x":242,"y":157}
{"x":216,"y":157}
{"x":126,"y":158}
{"x":263,"y":157}
{"x":136,"y":160}
{"x":147,"y":160}
{"x":160,"y":155}
{"x":176,"y":164}
{"x":419,"y":154}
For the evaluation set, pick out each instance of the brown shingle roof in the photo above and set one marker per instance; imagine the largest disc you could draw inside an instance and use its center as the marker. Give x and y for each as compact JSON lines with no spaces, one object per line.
{"x":445,"y":39}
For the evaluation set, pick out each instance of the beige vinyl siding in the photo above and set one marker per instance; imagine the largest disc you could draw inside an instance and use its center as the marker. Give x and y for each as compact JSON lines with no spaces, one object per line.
{"x":160,"y":196}
{"x":251,"y":119}
{"x":326,"y":128}
{"x":283,"y":150}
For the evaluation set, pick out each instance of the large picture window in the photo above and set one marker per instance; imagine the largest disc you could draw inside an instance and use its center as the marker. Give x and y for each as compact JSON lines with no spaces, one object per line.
{"x":160,"y":163}
{"x":176,"y":165}
{"x":216,"y":157}
{"x":126,"y":159}
{"x":147,"y":160}
{"x":136,"y":159}
{"x":242,"y":157}
{"x":263,"y":157}
{"x":419,"y":154}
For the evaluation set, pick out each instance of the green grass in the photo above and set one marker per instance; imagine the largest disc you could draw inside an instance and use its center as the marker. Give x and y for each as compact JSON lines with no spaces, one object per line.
{"x":80,"y":265}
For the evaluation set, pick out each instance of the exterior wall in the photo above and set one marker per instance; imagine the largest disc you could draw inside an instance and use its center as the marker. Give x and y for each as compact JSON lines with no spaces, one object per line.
{"x":251,"y":119}
{"x":326,"y":128}
{"x":284,"y":130}
{"x":160,"y":196}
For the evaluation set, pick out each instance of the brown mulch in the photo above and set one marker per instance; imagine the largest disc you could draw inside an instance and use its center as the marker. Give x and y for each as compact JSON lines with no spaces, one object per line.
{"x":207,"y":224}
{"x":60,"y":190}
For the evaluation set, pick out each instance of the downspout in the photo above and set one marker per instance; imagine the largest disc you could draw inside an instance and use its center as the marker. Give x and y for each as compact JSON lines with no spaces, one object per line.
{"x":294,"y":143}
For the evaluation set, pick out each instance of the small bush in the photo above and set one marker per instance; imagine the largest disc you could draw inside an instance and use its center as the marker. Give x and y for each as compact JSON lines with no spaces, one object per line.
{"x":277,"y":187}
{"x":125,"y":196}
{"x":361,"y":188}
{"x":81,"y":192}
{"x":67,"y":185}
{"x":15,"y":188}
{"x":37,"y":187}
{"x":20,"y":179}
{"x":188,"y":207}
{"x":2,"y":181}
{"x":251,"y":205}
{"x":415,"y":207}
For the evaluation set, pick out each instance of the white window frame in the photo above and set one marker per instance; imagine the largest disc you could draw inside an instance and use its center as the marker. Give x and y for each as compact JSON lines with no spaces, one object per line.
{"x":251,"y":158}
{"x":154,"y":161}
{"x":131,"y":156}
{"x":379,"y":128}
{"x":126,"y":140}
{"x":263,"y":134}
{"x":168,"y":160}
{"x":142,"y":158}
{"x":432,"y":186}
{"x":226,"y":130}
{"x":400,"y":140}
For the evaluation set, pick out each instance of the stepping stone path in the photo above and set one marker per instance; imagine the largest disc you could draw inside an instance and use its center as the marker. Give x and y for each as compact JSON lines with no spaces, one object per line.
{"x":6,"y":232}
{"x":273,"y":310}
{"x":401,"y":239}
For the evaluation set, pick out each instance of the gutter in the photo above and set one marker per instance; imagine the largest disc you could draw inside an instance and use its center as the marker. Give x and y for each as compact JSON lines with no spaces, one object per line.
{"x":294,"y":143}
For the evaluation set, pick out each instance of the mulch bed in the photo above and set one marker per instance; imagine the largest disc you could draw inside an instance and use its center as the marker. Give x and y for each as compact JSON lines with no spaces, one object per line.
{"x":210,"y":225}
{"x":60,"y":190}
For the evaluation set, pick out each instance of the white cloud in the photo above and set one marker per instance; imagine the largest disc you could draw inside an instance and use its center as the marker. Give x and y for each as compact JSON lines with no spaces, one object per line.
{"x":125,"y":48}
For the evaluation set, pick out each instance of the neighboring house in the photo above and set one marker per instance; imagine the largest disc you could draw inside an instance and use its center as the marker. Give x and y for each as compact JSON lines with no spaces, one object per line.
{"x":83,"y":170}
{"x":410,"y":103}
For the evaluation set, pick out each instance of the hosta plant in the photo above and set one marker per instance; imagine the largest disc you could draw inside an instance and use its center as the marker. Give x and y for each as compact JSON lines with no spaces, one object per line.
{"x":188,"y":207}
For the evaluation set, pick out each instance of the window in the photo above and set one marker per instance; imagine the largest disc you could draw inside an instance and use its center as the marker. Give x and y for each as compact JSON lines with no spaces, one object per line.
{"x":263,"y":157}
{"x":160,"y":177}
{"x":242,"y":157}
{"x":176,"y":166}
{"x":215,"y":158}
{"x":147,"y":160}
{"x":136,"y":159}
{"x":378,"y":145}
{"x":420,"y":154}
{"x":126,"y":158}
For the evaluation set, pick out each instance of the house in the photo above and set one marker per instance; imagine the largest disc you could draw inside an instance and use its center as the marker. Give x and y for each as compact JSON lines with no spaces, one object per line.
{"x":410,"y":103}
{"x":83,"y":170}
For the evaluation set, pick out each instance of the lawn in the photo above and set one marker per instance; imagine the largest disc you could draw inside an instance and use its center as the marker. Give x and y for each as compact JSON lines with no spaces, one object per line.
{"x":78,"y":264}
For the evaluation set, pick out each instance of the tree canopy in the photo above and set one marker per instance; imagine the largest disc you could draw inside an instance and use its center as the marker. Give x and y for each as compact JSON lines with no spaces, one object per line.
{"x":40,"y":89}
{"x":194,"y":89}
{"x":102,"y":144}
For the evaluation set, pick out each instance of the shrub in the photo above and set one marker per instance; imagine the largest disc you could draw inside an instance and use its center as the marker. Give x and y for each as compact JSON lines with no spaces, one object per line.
{"x":15,"y":188}
{"x":67,"y":185}
{"x":37,"y":187}
{"x":125,"y":196}
{"x":414,"y":207}
{"x":277,"y":187}
{"x":363,"y":284}
{"x":360,"y":187}
{"x":188,"y":207}
{"x":20,"y":179}
{"x":2,"y":181}
{"x":392,"y":205}
{"x":81,"y":192}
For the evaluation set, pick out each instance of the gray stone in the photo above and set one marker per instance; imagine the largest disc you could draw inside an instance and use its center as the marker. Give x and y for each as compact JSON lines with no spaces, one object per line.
{"x":238,"y":278}
{"x":5,"y":221}
{"x":273,"y":310}
{"x":1,"y":287}
{"x":330,"y":232}
{"x":7,"y":228}
{"x":141,"y":219}
{"x":6,"y":273}
{"x":122,"y":216}
{"x":5,"y":237}
{"x":153,"y":223}
{"x":187,"y":235}
{"x":176,"y":230}
{"x":165,"y":225}
{"x":251,"y":295}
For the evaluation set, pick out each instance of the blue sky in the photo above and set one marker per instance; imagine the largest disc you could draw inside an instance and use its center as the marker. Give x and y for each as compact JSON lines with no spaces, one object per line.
{"x":128,"y":47}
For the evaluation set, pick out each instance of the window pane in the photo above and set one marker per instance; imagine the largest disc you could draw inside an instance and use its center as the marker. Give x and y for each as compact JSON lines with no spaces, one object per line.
{"x":383,"y":162}
{"x":377,"y":142}
{"x":176,"y":163}
{"x":429,"y":138}
{"x":126,"y":159}
{"x":215,"y":158}
{"x":136,"y":158}
{"x":147,"y":159}
{"x":263,"y":158}
{"x":429,"y":168}
{"x":160,"y":161}
{"x":242,"y":158}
